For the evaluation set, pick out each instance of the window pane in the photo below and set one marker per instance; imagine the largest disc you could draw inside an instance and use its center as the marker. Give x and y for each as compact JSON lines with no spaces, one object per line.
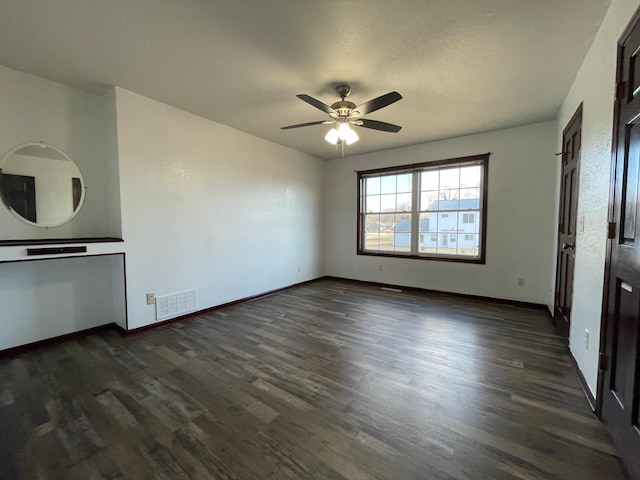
{"x":428,"y":222}
{"x":402,"y":233}
{"x":388,"y":203}
{"x":404,"y":183}
{"x":372,"y":223}
{"x":448,"y":200}
{"x":469,"y":222}
{"x":430,"y":180}
{"x":470,"y":194}
{"x":428,"y":199}
{"x":373,"y":203}
{"x":372,"y":232}
{"x":387,"y":220}
{"x":449,"y":178}
{"x":388,"y":184}
{"x":445,"y":247}
{"x":476,"y":223}
{"x":428,"y":227}
{"x":434,"y":206}
{"x":468,"y":244}
{"x":386,"y":241}
{"x":403,"y":202}
{"x":372,"y":186}
{"x":470,"y":176}
{"x":372,"y":241}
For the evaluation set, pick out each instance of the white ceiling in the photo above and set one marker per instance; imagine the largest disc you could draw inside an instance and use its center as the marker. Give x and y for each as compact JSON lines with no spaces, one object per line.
{"x":462,"y":66}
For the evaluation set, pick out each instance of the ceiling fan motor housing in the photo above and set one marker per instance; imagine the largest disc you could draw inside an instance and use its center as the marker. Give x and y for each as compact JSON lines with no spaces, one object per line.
{"x":343,"y":107}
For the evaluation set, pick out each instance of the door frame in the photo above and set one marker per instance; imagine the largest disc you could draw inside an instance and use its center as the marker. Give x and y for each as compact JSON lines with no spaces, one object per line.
{"x":577,"y":115}
{"x":610,"y":212}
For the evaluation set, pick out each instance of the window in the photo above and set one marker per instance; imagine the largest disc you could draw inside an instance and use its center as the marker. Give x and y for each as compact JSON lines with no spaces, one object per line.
{"x":433,"y":210}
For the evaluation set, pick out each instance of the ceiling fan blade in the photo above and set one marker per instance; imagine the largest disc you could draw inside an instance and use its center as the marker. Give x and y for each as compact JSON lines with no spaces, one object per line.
{"x":308,"y":124}
{"x":376,"y":125}
{"x":378,"y":103}
{"x":317,"y":103}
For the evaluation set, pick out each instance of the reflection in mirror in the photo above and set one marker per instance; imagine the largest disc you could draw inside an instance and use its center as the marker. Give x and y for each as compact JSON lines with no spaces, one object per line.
{"x":41,"y":185}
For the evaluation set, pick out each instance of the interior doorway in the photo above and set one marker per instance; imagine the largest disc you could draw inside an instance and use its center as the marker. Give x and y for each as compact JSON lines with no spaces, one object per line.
{"x":567,"y":220}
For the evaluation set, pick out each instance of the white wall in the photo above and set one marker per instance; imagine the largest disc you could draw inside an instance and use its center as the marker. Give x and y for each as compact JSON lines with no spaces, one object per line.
{"x":32,"y":110}
{"x":112,"y":178}
{"x":522,"y":183}
{"x":594,"y":85}
{"x":48,"y":298}
{"x":210,"y":208}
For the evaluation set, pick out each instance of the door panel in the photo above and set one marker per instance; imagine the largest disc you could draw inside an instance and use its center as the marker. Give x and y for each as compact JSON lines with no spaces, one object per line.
{"x":624,"y":343}
{"x":19,"y":193}
{"x":630,"y":189}
{"x":571,"y":140}
{"x":619,"y":378}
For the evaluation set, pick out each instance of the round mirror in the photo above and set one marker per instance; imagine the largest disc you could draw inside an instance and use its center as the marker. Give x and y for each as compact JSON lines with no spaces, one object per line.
{"x":41,"y":185}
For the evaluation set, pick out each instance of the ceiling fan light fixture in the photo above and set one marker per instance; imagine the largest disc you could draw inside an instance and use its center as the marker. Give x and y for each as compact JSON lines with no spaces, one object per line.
{"x":343,"y":131}
{"x":352,"y":137}
{"x":332,"y":136}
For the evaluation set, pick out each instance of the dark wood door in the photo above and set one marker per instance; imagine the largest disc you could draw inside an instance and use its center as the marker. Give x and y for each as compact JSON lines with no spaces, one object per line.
{"x":571,"y":143}
{"x":620,"y":362}
{"x":19,"y":193}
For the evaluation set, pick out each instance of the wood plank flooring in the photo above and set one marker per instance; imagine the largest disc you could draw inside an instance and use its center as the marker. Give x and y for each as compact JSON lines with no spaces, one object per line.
{"x":331,"y":380}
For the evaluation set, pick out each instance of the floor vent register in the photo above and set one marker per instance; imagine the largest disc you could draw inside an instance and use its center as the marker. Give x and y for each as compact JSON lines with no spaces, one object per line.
{"x":175,"y":304}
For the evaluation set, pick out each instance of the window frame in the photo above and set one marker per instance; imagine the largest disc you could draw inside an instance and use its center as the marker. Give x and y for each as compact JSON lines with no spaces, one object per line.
{"x":482,"y":160}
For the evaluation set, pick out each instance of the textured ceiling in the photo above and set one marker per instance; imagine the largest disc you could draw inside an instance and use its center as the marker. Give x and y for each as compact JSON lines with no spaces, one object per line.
{"x":462,"y":66}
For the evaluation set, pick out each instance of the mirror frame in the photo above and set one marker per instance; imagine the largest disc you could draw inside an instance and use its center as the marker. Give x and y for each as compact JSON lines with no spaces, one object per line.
{"x":7,"y":155}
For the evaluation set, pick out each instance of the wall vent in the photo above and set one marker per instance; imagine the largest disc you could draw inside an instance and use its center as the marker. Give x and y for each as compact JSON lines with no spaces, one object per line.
{"x":175,"y":304}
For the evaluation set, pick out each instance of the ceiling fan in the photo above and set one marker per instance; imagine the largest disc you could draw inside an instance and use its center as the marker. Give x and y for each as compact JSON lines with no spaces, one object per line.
{"x":345,"y":114}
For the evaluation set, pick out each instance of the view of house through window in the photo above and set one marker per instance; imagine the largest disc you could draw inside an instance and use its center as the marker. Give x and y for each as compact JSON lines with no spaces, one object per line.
{"x":427,"y":210}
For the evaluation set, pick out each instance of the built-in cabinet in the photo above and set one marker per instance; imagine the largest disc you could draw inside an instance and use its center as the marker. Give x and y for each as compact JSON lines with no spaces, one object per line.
{"x":59,"y":277}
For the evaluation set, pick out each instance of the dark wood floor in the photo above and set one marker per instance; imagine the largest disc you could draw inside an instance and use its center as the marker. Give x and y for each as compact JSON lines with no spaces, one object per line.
{"x":331,"y":380}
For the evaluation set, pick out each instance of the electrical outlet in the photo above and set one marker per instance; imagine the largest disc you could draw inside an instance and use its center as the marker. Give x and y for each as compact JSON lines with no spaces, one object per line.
{"x":299,"y":268}
{"x":151,"y":298}
{"x":379,"y":268}
{"x":586,"y":339}
{"x":520,"y":281}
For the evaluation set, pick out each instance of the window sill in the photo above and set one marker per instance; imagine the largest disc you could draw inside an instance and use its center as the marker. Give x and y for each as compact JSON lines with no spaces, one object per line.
{"x":437,"y":258}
